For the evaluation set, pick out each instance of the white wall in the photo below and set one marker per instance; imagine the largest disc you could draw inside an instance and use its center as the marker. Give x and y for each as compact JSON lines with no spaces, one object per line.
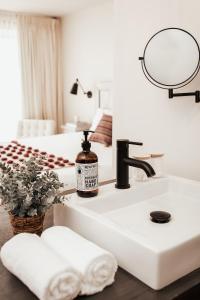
{"x":143,"y":112}
{"x":88,"y":55}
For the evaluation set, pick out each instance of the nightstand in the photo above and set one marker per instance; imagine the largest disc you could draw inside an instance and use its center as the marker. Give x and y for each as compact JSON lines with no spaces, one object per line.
{"x":75,"y":127}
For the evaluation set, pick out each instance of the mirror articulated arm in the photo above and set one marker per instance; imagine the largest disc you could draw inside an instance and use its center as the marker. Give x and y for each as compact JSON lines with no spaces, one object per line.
{"x":196,"y":94}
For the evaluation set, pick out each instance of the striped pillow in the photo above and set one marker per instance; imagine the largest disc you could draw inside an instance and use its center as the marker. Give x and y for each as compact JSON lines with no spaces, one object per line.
{"x":103,"y":132}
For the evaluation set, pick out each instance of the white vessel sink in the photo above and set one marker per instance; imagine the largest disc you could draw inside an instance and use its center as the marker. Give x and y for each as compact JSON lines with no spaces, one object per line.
{"x":119,"y":221}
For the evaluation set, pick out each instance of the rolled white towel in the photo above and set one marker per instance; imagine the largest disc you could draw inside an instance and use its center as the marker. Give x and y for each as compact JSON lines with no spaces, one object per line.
{"x":28,"y":257}
{"x":97,"y":266}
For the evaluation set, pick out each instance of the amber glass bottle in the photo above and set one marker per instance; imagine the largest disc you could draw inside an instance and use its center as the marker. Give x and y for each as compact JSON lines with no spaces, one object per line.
{"x":87,"y":170}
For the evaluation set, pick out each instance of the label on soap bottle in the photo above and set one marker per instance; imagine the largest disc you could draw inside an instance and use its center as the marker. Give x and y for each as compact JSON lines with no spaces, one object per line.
{"x":87,"y":176}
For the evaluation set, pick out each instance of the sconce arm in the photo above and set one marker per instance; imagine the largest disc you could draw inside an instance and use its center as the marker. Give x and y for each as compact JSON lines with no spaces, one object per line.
{"x":78,"y":81}
{"x":89,"y":93}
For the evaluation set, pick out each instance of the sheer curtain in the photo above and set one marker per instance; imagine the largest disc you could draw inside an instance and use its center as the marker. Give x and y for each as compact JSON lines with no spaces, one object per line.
{"x":40,"y":49}
{"x":10,"y":78}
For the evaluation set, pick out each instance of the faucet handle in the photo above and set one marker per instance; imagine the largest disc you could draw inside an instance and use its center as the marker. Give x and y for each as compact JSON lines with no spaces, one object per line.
{"x":135,"y":143}
{"x":127,"y":142}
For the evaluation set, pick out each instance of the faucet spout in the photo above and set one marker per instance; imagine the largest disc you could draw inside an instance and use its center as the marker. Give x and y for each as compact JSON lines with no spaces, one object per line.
{"x":147,"y":168}
{"x":124,"y":161}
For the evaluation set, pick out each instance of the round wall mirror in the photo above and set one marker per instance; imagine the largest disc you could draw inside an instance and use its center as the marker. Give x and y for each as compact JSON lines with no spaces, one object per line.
{"x":171,"y":58}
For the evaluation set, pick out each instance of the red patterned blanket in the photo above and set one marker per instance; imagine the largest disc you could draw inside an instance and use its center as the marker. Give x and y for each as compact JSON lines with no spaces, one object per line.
{"x":15,"y":153}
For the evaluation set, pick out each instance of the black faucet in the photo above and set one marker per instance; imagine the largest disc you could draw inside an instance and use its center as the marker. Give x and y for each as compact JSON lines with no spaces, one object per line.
{"x":124,"y":161}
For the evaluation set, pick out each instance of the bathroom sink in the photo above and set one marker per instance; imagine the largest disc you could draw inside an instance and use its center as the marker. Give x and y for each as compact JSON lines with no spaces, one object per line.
{"x":119,"y":221}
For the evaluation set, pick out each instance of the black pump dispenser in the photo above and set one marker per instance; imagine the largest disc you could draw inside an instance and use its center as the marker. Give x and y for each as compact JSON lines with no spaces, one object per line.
{"x":86,"y":145}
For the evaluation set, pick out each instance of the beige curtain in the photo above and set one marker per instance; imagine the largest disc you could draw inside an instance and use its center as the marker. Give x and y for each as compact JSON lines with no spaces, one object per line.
{"x":40,"y":49}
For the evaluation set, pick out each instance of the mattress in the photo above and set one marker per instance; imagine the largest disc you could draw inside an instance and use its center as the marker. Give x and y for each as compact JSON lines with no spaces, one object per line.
{"x":69,"y":145}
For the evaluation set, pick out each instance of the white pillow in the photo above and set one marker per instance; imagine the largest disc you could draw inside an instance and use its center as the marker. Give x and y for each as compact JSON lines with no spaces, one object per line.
{"x":97,"y":117}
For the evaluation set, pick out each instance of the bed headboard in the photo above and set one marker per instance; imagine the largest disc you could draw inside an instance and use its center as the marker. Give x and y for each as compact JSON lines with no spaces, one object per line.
{"x":105,"y":95}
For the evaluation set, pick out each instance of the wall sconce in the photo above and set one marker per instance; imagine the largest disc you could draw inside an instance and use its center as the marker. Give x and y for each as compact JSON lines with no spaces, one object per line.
{"x":74,"y":89}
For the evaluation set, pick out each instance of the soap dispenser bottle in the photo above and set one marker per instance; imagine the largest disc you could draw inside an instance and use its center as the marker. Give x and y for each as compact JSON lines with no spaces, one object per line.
{"x":87,"y":169}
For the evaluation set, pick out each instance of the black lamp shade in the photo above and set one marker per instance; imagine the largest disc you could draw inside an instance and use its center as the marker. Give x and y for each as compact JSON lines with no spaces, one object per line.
{"x":74,"y":89}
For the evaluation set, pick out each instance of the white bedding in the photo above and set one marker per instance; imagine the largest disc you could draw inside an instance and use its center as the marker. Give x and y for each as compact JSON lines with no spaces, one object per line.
{"x":69,"y":145}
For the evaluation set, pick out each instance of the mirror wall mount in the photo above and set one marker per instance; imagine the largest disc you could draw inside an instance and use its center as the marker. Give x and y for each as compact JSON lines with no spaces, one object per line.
{"x":196,"y":94}
{"x":171,"y":60}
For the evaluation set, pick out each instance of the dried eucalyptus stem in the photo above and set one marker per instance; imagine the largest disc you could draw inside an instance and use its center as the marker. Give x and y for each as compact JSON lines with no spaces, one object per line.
{"x":26,"y":190}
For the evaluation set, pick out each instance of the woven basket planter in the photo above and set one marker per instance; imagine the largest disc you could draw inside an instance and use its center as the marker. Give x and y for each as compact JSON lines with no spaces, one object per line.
{"x":27,"y":224}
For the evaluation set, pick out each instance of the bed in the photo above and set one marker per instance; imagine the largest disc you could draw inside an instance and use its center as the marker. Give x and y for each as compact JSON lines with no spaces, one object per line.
{"x":68,"y":145}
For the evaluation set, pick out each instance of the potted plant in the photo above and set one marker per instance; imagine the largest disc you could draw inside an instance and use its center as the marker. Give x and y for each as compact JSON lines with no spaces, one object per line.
{"x":27,"y":192}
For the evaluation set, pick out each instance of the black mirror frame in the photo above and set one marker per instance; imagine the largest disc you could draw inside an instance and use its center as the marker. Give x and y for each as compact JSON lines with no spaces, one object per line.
{"x":170,"y":88}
